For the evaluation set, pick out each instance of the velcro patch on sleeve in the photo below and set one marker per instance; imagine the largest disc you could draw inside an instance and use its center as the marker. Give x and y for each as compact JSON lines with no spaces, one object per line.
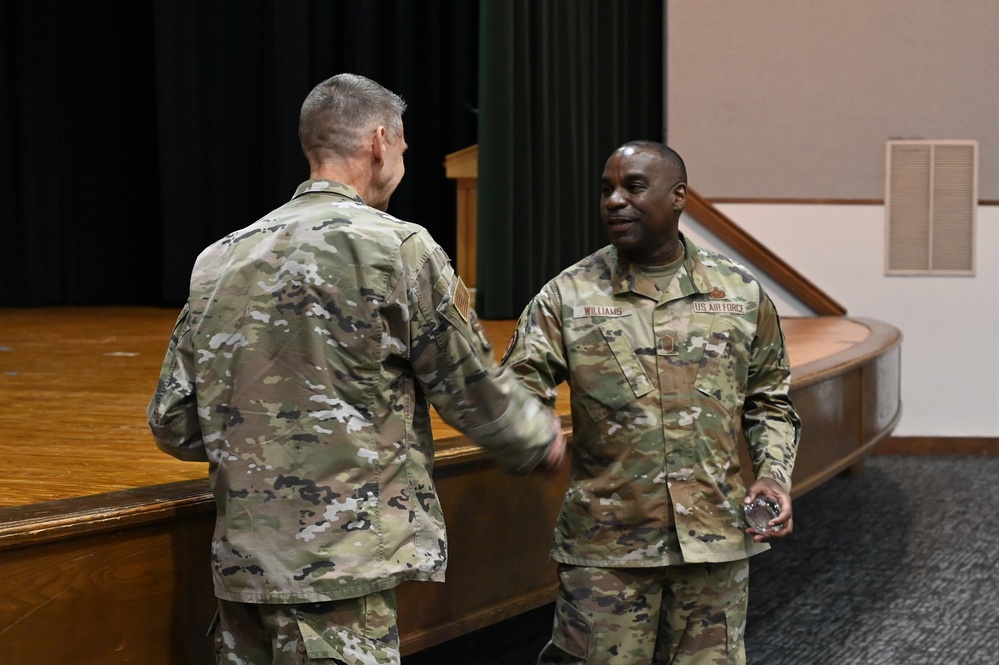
{"x":461,"y":299}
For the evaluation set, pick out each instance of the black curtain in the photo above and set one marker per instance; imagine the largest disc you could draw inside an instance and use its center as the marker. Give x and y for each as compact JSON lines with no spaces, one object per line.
{"x":134,"y":133}
{"x":561,"y":84}
{"x":78,"y":163}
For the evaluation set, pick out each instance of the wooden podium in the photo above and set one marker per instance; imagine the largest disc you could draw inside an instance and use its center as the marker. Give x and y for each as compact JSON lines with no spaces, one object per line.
{"x":463,"y":166}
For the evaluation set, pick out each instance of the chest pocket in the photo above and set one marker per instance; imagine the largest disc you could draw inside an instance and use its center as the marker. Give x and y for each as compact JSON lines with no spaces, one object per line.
{"x":604,"y":372}
{"x":724,"y":364}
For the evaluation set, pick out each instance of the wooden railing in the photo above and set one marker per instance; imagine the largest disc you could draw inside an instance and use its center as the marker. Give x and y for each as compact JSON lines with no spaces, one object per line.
{"x":760,"y":257}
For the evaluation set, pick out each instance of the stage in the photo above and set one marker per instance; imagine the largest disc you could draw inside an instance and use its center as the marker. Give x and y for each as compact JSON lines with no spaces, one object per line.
{"x":97,"y":526}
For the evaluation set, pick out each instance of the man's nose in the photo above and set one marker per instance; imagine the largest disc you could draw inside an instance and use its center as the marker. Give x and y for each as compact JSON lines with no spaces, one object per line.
{"x":614,"y":199}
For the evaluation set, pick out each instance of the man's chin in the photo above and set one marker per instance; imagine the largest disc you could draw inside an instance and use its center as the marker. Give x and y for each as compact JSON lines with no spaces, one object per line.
{"x":623,"y":243}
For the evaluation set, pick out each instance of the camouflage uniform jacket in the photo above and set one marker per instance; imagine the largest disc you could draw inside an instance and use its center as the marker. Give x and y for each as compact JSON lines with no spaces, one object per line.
{"x":660,"y":385}
{"x":300,"y":369}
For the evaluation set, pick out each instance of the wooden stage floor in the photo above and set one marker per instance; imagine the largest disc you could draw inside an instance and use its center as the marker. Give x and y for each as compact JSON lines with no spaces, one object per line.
{"x":75,"y":382}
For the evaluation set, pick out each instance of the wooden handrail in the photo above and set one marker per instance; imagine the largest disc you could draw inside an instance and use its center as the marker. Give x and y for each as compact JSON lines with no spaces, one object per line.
{"x":756,"y":253}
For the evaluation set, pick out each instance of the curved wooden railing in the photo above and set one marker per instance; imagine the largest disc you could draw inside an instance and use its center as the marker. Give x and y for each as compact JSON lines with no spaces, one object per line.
{"x":760,"y":257}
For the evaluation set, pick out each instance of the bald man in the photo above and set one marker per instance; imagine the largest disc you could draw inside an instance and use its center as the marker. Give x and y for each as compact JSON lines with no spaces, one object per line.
{"x":670,"y":350}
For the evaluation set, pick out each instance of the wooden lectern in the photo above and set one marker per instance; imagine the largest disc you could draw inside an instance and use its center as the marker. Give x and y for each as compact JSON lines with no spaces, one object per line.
{"x":463,"y":166}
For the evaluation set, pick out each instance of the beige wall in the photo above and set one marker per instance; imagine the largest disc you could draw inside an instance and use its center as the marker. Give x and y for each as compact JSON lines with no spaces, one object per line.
{"x":787,"y":99}
{"x":796,"y":98}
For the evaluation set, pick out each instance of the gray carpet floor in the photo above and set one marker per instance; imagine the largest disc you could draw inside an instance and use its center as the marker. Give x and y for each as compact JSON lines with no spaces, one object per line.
{"x":895,"y":565}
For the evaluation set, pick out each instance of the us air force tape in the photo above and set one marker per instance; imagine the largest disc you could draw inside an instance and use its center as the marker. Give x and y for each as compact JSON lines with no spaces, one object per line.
{"x":461,"y":299}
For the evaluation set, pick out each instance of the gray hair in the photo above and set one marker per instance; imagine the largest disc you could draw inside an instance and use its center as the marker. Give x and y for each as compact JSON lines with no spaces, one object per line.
{"x":341,"y":110}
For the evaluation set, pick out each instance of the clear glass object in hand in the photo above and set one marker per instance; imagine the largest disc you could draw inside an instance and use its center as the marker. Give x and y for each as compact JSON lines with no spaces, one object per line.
{"x":760,"y":512}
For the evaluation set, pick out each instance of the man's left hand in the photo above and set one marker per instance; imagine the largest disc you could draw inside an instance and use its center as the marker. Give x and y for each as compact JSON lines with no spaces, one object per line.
{"x":784,"y":522}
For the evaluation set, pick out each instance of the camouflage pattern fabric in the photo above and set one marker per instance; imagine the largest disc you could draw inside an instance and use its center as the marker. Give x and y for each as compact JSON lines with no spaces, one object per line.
{"x":301,"y":369}
{"x":353,"y":631}
{"x":682,"y":615}
{"x":661,"y":383}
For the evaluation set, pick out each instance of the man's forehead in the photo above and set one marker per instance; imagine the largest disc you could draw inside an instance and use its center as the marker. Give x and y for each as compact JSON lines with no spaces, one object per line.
{"x":633,"y":161}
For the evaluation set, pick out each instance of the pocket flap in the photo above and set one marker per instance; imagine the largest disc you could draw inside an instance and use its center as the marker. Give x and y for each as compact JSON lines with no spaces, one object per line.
{"x":326,"y":640}
{"x":572,"y":630}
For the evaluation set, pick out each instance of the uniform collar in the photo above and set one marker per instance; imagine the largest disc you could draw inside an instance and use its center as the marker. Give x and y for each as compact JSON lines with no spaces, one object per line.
{"x":690,"y":278}
{"x":321,"y":186}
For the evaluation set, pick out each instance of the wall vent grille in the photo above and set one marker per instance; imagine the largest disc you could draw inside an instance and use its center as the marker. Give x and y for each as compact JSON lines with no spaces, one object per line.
{"x":931,"y":196}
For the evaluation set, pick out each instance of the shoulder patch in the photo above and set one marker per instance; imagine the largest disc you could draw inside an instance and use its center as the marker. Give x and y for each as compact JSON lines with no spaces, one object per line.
{"x":461,"y":300}
{"x":510,"y":345}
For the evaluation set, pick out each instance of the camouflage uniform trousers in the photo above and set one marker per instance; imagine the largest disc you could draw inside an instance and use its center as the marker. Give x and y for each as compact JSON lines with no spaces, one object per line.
{"x":693,"y":614}
{"x":353,"y":631}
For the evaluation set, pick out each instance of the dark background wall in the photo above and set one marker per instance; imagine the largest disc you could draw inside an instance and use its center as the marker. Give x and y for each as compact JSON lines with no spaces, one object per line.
{"x":133,"y":133}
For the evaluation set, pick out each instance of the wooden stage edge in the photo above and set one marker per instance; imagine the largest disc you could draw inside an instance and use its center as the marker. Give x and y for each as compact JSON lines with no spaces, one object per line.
{"x":101,"y":529}
{"x":970,"y":446}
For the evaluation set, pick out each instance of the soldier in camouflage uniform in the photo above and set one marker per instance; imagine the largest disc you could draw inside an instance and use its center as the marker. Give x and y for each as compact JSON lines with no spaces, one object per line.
{"x":670,"y":350}
{"x":301,"y":368}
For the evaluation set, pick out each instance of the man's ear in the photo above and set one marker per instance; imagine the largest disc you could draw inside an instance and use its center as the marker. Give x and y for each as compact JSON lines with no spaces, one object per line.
{"x":680,"y":196}
{"x":378,"y":144}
